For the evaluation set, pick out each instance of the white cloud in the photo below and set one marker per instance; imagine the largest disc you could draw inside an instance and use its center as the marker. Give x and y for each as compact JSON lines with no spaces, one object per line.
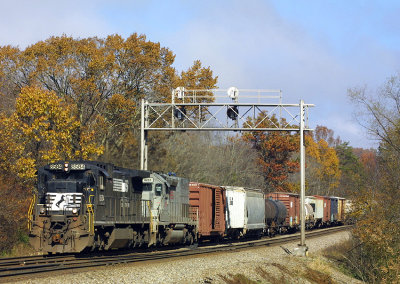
{"x":25,"y":22}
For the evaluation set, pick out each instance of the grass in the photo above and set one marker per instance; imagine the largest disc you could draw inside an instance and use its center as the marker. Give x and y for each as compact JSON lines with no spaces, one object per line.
{"x":314,"y":270}
{"x":317,"y":276}
{"x":21,"y":247}
{"x":339,"y":254}
{"x":237,"y":279}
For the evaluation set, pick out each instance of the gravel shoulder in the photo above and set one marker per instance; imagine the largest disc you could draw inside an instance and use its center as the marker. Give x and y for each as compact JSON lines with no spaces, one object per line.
{"x":263,"y":265}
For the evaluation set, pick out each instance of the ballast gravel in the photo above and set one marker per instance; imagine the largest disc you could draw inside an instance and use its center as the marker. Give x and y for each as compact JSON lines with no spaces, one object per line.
{"x":258,"y":264}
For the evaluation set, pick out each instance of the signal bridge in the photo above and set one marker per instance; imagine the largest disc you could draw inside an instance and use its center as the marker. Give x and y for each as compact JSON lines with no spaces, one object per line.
{"x":228,"y":110}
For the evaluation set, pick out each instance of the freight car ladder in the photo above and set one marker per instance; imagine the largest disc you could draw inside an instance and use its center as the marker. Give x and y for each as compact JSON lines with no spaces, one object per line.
{"x":217,"y":218}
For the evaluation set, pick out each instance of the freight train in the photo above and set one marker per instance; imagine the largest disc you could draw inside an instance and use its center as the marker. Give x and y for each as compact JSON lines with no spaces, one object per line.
{"x":87,"y":205}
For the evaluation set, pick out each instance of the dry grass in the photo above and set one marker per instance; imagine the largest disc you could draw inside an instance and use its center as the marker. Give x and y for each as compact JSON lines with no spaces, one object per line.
{"x":316,"y":269}
{"x":316,"y":276}
{"x":271,"y":278}
{"x":283,"y":275}
{"x":237,"y":279}
{"x":321,"y":265}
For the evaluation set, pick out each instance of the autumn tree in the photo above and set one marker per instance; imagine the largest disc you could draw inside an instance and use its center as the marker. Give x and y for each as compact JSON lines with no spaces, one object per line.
{"x":42,"y":129}
{"x":14,"y":203}
{"x":275,"y":150}
{"x":105,"y":79}
{"x":322,"y":167}
{"x":324,"y":133}
{"x":377,"y":202}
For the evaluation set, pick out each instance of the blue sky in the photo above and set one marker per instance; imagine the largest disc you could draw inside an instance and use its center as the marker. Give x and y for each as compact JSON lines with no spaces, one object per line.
{"x":314,"y":50}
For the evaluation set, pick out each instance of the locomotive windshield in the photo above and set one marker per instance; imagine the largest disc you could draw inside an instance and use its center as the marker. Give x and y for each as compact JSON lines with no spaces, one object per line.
{"x":73,"y":181}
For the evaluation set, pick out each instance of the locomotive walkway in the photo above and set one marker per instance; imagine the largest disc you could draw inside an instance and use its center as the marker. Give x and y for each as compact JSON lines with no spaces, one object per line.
{"x":22,"y":268}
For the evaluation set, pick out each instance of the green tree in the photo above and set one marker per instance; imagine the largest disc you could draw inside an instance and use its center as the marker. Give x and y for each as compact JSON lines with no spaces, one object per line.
{"x":351,"y":168}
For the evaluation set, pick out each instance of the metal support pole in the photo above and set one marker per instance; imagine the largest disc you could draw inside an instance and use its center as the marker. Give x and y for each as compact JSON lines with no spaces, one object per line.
{"x":143,"y":135}
{"x":302,"y":249}
{"x":142,"y":141}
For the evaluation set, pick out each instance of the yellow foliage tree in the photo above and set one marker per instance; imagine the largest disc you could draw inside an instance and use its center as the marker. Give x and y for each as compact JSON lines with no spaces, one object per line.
{"x":323,"y":163}
{"x":99,"y":74}
{"x":41,"y":130}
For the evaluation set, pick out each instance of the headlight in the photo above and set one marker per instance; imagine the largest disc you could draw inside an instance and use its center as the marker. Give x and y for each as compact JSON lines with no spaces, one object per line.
{"x":74,"y":211}
{"x":42,"y":210}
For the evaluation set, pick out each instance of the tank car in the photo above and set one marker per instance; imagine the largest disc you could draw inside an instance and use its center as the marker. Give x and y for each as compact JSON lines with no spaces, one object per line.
{"x":292,"y":203}
{"x":86,"y":205}
{"x":275,"y":216}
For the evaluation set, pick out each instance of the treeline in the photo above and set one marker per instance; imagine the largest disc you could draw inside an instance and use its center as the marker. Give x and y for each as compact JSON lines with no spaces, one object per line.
{"x":71,"y":99}
{"x":375,"y":256}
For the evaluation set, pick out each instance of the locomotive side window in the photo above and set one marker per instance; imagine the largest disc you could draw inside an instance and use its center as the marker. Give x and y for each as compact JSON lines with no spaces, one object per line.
{"x":147,"y":187}
{"x":91,"y":179}
{"x":101,"y":182}
{"x":158,"y":189}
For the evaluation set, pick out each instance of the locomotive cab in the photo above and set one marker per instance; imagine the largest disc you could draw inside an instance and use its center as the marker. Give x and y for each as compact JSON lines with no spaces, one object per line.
{"x":167,"y":202}
{"x":156,"y":189}
{"x":63,"y":215}
{"x":63,"y":192}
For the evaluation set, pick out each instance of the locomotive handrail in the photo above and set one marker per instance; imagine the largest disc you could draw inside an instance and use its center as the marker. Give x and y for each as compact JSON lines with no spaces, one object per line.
{"x":90,"y":212}
{"x":30,"y":212}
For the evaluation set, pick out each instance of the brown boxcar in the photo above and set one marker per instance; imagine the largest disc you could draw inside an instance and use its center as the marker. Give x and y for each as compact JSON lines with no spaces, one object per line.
{"x":209,"y":200}
{"x":292,"y":203}
{"x":326,"y":217}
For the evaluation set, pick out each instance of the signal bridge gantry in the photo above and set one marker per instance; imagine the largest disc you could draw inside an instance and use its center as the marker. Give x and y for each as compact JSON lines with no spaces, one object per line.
{"x":227,"y":110}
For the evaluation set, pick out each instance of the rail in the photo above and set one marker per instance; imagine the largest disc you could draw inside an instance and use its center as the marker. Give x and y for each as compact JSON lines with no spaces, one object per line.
{"x":23,"y":268}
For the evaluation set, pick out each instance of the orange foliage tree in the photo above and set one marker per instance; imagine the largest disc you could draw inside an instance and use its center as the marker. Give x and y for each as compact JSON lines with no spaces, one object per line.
{"x":275,"y":150}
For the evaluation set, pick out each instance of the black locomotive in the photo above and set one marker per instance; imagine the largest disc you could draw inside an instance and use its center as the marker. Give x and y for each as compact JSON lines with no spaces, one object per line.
{"x":84,"y":205}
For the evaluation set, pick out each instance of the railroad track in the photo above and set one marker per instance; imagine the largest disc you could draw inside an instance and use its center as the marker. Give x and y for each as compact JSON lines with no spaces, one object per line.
{"x":18,"y":268}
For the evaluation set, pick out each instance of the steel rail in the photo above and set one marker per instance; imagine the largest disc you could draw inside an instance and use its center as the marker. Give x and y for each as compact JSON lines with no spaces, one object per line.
{"x":10,"y":268}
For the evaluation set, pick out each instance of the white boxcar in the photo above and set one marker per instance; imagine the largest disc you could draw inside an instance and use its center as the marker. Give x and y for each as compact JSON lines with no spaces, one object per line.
{"x":245,"y":211}
{"x":235,"y":208}
{"x":318,"y":207}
